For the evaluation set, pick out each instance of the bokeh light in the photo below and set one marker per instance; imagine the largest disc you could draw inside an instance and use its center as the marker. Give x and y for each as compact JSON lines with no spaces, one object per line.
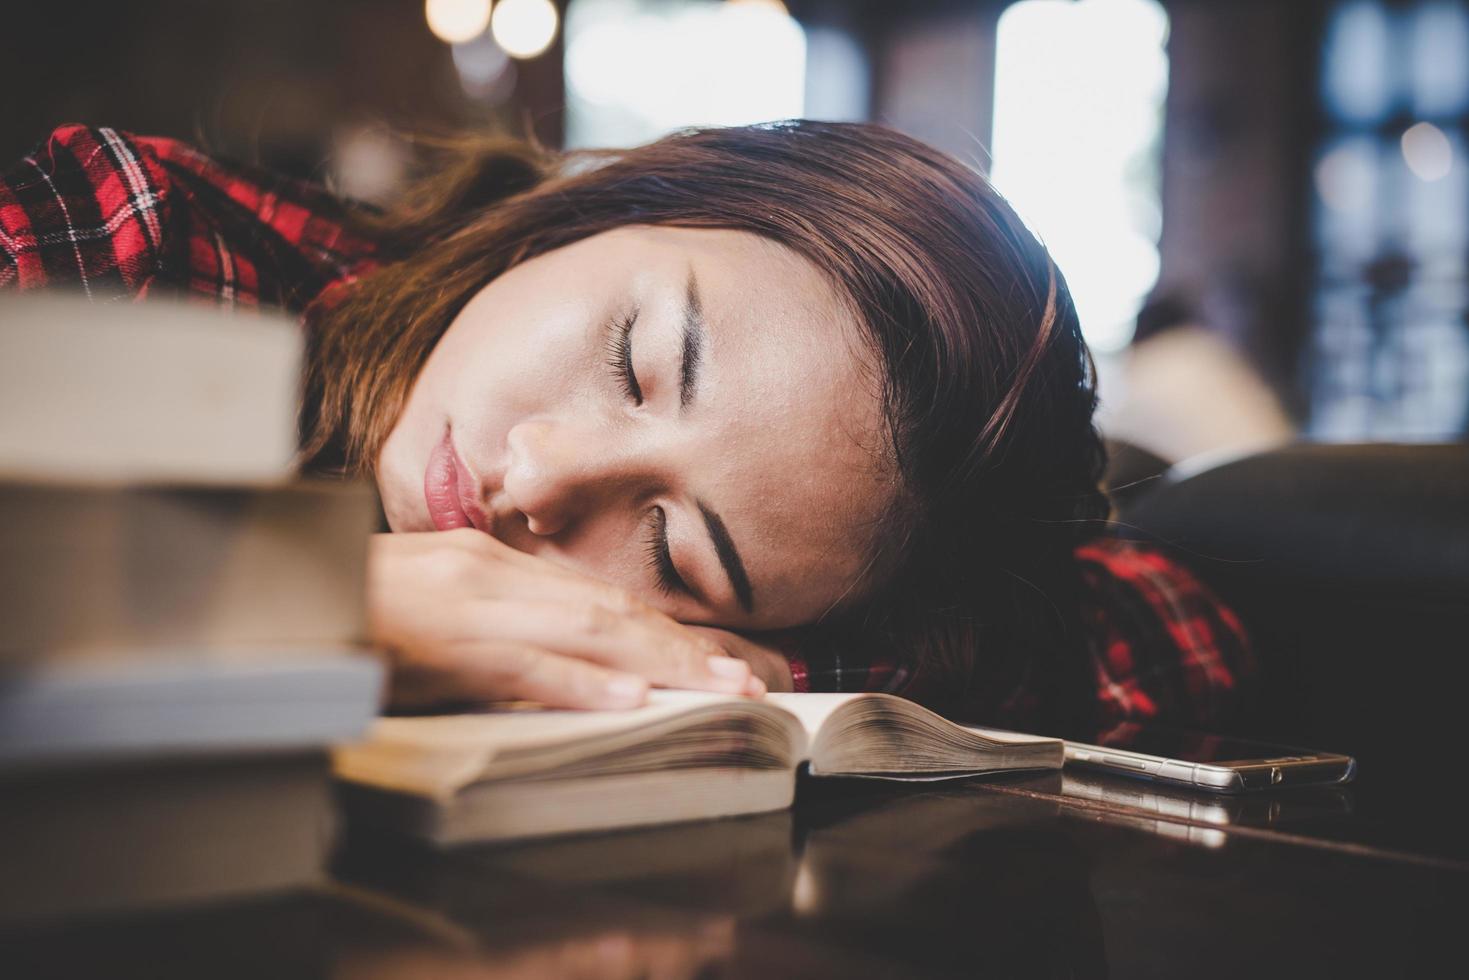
{"x":457,"y":21}
{"x":485,"y":70}
{"x":1345,"y":177}
{"x":1427,"y":152}
{"x":524,"y":28}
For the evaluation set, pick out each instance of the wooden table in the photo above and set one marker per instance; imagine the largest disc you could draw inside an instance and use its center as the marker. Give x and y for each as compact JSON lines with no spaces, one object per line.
{"x":1011,"y":877}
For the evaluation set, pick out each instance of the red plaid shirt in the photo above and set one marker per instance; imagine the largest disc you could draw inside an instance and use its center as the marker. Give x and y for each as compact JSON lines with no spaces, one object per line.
{"x":1161,"y":647}
{"x":116,"y":215}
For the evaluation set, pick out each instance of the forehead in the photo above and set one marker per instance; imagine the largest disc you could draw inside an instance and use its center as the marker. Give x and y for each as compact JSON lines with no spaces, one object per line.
{"x":788,"y":425}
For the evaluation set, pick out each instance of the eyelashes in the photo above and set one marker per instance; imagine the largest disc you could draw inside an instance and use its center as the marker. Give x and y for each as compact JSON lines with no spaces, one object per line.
{"x":656,"y":555}
{"x":619,"y":357}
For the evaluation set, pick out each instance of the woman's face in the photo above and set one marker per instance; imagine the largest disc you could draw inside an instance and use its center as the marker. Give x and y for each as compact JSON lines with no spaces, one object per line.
{"x":681,"y":412}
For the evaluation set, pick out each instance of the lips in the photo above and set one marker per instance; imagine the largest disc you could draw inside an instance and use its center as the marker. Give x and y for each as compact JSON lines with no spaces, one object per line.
{"x":451,"y":491}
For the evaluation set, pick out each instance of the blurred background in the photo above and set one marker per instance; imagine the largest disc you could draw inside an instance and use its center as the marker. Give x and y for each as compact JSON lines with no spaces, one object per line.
{"x":1262,"y":206}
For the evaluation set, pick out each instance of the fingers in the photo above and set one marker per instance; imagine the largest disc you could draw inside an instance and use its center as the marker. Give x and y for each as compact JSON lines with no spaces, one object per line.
{"x":640,"y":641}
{"x":503,"y":672}
{"x":470,"y":618}
{"x":766,"y":654}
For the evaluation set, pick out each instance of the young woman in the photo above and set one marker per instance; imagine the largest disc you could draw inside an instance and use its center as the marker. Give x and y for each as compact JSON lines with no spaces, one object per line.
{"x":805,"y":393}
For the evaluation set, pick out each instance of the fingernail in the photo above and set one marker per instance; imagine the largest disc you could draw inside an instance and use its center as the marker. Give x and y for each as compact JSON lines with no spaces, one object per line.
{"x":729,"y":667}
{"x":627,"y":688}
{"x":755,"y":688}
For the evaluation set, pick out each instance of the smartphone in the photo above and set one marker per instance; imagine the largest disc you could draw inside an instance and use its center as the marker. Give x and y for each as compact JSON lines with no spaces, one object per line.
{"x":1175,"y":803}
{"x":1209,"y":762}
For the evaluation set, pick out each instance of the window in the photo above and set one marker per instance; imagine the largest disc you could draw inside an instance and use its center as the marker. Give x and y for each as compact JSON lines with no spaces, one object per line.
{"x":1079,"y":90}
{"x":636,"y":69}
{"x":1390,"y":349}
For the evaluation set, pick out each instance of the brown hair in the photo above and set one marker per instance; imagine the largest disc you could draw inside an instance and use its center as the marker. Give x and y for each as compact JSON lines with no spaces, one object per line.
{"x":987,"y":384}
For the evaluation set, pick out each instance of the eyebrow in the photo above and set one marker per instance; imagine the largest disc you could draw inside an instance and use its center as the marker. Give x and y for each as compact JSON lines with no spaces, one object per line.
{"x":729,"y":558}
{"x":693,"y":343}
{"x":689,"y":364}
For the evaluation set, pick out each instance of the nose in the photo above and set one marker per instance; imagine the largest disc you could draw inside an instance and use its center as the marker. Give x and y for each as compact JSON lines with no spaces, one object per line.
{"x":559,"y":473}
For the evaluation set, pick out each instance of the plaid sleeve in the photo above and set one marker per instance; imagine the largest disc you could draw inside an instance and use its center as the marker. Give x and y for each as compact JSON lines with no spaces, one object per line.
{"x":1158,"y":644}
{"x":847,"y":670}
{"x":86,"y":209}
{"x":255,"y":236}
{"x":1164,"y":648}
{"x":116,"y":214}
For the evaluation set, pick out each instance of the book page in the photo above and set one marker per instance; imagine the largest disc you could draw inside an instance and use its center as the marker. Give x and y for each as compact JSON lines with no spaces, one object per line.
{"x":436,"y":755}
{"x":880,"y":735}
{"x":812,"y":710}
{"x":1005,"y":736}
{"x":525,"y":724}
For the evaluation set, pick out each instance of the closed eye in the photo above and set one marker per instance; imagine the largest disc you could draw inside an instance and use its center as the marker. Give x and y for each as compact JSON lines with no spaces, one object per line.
{"x":619,"y":357}
{"x":659,"y":558}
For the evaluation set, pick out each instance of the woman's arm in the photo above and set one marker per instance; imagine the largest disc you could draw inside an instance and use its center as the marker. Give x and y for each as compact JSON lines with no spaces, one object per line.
{"x":1165,"y":649}
{"x":113,"y":214}
{"x":86,"y":210}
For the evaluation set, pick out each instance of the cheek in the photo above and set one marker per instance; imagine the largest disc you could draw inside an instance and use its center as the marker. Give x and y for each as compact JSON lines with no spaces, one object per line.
{"x":399,"y":476}
{"x":515,"y":350}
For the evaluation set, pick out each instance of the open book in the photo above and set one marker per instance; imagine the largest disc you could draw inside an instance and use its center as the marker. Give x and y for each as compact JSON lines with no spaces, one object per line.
{"x":523,"y":771}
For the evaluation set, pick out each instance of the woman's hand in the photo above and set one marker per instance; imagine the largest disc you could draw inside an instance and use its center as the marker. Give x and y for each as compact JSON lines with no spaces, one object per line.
{"x":467,"y":618}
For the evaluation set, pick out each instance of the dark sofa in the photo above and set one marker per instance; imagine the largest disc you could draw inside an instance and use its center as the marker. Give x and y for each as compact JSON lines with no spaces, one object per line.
{"x":1349,"y":564}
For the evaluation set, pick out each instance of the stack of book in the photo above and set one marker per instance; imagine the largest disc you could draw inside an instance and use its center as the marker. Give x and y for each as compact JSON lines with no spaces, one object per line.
{"x":182,"y":624}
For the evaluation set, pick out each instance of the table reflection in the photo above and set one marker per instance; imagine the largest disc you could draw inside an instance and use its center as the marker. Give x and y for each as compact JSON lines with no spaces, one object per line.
{"x":670,"y":953}
{"x":1194,"y":815}
{"x":1019,"y":876}
{"x":865,"y":882}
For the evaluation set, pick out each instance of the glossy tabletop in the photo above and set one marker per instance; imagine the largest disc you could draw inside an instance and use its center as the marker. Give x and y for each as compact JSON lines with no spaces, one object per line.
{"x":1042,"y":875}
